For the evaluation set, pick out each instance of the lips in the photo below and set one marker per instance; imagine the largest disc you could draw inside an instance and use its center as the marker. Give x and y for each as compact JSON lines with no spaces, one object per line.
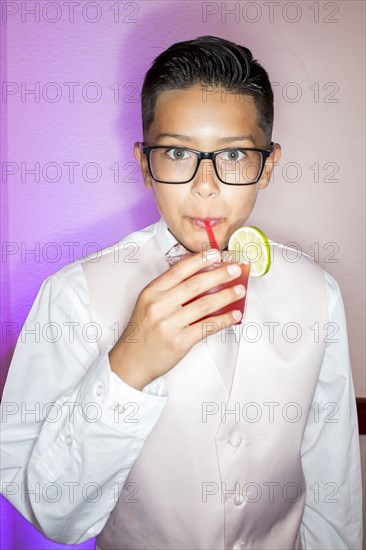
{"x":200,"y":222}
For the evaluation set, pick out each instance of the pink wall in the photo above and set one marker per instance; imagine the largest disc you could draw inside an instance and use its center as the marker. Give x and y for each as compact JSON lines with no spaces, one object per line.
{"x":313,"y":51}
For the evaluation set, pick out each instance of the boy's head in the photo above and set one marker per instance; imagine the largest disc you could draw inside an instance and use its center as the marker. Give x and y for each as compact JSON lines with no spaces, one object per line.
{"x":206,"y":96}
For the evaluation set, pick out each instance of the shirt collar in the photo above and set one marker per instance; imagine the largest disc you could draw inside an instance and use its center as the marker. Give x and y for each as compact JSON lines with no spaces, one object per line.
{"x":165,"y":239}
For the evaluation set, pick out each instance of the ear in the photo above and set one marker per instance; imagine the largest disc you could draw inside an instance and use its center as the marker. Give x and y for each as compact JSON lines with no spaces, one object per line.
{"x":142,"y":160}
{"x":271,"y":162}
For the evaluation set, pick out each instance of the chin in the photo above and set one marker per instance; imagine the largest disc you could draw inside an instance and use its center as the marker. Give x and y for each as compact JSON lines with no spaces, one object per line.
{"x":192,"y":246}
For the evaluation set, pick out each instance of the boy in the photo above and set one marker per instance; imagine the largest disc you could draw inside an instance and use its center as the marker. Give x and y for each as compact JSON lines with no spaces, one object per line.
{"x":163,"y":431}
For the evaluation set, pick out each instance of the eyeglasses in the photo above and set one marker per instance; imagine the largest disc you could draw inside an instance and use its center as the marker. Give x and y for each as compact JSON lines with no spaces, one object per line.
{"x":233,"y":166}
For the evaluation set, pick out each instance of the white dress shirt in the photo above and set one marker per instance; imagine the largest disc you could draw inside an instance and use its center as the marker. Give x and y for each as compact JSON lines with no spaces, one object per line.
{"x":66,"y":416}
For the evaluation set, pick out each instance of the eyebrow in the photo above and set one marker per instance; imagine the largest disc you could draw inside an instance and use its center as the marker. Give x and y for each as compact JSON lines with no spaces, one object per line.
{"x":228,"y":139}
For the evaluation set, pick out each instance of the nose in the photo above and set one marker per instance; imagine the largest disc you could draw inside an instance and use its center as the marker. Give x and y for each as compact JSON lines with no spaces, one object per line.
{"x":205,"y":183}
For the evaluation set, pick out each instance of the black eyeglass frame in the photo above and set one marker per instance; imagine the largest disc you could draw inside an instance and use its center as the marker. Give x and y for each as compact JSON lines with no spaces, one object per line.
{"x":265,"y":153}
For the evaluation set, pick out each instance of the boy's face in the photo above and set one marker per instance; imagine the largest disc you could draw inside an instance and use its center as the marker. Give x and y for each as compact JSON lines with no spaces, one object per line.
{"x":207,"y":122}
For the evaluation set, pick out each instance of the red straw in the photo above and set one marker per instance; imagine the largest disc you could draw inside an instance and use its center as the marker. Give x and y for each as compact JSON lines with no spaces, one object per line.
{"x":210,"y":234}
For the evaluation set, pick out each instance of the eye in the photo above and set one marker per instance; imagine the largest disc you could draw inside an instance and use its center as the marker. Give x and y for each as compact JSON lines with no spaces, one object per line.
{"x":233,"y":155}
{"x":178,"y":154}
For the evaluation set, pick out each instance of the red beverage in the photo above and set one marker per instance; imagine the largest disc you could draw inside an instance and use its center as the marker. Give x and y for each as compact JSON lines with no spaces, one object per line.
{"x":239,"y":304}
{"x":228,"y":257}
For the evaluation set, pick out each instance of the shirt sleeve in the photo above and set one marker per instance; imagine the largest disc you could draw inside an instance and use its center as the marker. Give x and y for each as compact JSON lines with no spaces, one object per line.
{"x":330,"y":451}
{"x":71,"y":428}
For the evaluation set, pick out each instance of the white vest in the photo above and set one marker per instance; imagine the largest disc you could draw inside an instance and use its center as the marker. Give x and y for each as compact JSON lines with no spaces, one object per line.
{"x":221,"y":469}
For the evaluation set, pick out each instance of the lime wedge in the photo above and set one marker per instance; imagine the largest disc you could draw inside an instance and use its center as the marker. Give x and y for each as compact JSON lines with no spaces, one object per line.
{"x":253,"y":247}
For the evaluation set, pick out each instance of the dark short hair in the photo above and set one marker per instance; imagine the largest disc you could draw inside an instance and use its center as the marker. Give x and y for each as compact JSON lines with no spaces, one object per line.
{"x":209,"y":61}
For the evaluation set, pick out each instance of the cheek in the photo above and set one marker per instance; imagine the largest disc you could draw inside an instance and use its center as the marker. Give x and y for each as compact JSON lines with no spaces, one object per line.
{"x":167,"y":198}
{"x":242,"y":202}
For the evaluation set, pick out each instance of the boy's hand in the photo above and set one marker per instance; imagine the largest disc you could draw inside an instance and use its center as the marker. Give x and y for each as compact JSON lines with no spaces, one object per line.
{"x":166,"y":331}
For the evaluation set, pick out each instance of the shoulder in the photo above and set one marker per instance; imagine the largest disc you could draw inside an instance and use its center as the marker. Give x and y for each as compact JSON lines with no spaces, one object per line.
{"x":71,"y":276}
{"x":291,"y":261}
{"x":285,"y":255}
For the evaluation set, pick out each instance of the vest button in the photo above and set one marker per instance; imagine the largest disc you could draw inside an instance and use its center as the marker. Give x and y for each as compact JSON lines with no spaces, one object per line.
{"x":99,"y":390}
{"x":238,"y":500}
{"x":119,"y":408}
{"x":235,"y":440}
{"x":239,"y":546}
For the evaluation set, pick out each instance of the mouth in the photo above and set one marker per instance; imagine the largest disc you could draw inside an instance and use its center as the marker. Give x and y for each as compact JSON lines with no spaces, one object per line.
{"x":199,"y":223}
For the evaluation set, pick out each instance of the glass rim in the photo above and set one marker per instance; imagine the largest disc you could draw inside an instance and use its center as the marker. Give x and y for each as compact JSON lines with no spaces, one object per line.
{"x":227,"y":256}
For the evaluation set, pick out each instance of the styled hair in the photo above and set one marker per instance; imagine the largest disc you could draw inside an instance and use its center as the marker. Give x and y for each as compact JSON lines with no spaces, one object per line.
{"x":209,"y":61}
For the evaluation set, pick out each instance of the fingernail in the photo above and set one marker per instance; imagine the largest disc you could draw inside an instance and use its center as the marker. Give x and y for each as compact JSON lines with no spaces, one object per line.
{"x":239,"y":289}
{"x":211,"y":254}
{"x":236,"y":314}
{"x":233,"y":269}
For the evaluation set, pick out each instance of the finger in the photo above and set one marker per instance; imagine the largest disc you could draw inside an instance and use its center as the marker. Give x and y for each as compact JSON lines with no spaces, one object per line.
{"x":200,"y":331}
{"x":202,"y":283}
{"x":185,"y":268}
{"x":206,"y":282}
{"x":208,"y":304}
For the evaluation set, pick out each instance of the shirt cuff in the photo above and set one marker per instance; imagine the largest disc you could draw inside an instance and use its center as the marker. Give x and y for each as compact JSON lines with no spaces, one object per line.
{"x":118,"y":405}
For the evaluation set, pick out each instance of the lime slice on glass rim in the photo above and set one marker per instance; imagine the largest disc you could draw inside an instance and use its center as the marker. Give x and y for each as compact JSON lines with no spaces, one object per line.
{"x":253,"y":247}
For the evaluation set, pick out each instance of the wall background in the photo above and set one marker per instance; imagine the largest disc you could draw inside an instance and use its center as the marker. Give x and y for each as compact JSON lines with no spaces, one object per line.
{"x":71,"y":78}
